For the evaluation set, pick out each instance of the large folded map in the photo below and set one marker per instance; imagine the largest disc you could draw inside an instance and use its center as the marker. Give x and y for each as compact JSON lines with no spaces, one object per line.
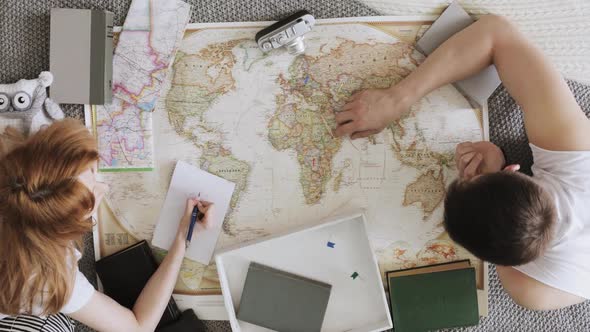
{"x":264,"y":122}
{"x":144,"y":50}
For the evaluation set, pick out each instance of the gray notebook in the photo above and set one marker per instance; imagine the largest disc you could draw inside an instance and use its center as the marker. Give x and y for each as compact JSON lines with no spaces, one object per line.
{"x":283,"y":301}
{"x":81,"y":56}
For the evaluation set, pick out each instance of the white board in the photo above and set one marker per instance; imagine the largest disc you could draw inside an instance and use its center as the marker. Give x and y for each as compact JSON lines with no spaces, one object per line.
{"x":356,"y":304}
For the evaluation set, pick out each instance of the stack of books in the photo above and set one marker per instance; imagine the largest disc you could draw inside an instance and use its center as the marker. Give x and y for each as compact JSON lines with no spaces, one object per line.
{"x":433,"y":297}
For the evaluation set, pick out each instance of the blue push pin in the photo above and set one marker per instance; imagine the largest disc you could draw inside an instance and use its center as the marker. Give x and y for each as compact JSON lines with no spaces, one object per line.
{"x":306,"y":79}
{"x":331,"y":244}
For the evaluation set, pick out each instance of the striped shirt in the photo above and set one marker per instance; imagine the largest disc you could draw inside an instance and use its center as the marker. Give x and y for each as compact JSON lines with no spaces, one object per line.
{"x":81,"y":294}
{"x":27,"y":323}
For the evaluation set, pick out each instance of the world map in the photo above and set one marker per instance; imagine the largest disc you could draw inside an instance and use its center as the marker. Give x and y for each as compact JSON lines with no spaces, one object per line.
{"x":265,"y":121}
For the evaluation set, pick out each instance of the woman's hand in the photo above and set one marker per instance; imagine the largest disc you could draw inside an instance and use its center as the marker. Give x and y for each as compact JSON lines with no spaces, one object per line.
{"x":478,"y":158}
{"x":203,"y":218}
{"x":368,"y":112}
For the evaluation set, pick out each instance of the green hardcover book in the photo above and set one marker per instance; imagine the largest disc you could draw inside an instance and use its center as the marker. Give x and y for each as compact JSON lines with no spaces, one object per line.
{"x":430,"y":301}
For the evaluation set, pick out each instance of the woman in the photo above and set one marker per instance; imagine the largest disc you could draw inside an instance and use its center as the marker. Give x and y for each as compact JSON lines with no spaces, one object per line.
{"x":48,"y":193}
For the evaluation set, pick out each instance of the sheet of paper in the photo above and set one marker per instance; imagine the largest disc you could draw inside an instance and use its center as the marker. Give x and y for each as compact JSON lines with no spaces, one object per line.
{"x":189,"y":181}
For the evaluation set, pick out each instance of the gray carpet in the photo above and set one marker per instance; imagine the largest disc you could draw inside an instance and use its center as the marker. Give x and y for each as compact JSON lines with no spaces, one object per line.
{"x":24,"y":44}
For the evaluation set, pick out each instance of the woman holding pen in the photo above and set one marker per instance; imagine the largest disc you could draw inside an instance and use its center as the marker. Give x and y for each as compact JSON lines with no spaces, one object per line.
{"x":48,"y":194}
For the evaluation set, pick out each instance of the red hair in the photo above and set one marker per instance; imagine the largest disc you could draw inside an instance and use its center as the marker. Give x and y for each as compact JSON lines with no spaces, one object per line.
{"x":43,"y":213}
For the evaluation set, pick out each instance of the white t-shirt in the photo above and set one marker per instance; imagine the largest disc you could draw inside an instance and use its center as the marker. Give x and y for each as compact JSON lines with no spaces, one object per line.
{"x":81,"y":293}
{"x":566,"y":264}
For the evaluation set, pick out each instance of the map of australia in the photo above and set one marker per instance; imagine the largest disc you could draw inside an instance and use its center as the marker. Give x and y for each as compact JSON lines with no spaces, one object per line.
{"x":265,"y":121}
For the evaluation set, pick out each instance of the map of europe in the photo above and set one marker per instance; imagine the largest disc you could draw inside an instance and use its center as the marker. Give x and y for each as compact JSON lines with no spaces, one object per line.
{"x":265,"y":121}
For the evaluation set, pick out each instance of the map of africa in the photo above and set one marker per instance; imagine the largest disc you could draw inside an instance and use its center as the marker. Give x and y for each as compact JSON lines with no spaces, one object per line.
{"x":265,"y":122}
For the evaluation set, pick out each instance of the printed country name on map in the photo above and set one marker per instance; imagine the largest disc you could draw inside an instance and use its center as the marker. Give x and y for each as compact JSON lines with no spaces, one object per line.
{"x":370,"y":178}
{"x":231,"y":170}
{"x":417,"y":154}
{"x":425,"y":190}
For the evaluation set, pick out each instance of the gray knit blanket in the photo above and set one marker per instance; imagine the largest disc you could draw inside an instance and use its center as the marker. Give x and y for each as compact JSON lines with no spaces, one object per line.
{"x":24,"y":53}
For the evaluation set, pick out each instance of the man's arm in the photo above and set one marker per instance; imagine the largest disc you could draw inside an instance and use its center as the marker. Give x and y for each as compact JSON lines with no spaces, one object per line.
{"x":553,"y":120}
{"x":532,"y":294}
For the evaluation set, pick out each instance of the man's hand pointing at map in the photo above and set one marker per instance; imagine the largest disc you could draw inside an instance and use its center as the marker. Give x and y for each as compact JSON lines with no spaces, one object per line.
{"x":368,"y":112}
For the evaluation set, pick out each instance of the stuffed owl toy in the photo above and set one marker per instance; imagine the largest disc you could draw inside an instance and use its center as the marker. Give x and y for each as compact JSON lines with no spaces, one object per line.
{"x":27,"y":100}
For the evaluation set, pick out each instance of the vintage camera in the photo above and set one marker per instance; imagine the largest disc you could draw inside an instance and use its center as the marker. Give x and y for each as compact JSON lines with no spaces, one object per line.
{"x":288,"y":32}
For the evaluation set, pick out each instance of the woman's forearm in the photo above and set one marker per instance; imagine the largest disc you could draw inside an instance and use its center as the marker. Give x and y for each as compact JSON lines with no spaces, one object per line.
{"x":156,"y":294}
{"x":104,"y":314}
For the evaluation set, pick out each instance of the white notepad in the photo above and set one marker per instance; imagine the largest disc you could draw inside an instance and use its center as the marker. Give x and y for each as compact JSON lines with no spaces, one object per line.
{"x":189,"y":181}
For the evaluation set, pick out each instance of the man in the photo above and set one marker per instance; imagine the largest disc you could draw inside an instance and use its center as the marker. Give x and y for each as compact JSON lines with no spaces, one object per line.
{"x":536,"y":230}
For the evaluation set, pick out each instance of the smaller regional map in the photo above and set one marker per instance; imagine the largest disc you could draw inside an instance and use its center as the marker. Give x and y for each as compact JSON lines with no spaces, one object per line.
{"x":145,"y":48}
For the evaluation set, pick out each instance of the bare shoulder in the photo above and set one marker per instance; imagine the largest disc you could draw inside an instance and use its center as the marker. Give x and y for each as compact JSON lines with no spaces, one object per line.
{"x":532,"y":294}
{"x":552,"y":116}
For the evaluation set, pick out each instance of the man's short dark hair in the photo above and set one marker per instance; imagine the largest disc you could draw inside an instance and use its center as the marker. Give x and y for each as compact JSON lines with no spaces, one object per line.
{"x":504,"y":218}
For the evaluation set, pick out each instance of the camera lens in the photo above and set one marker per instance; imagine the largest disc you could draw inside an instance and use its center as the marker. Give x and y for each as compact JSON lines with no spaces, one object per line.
{"x":296,"y":46}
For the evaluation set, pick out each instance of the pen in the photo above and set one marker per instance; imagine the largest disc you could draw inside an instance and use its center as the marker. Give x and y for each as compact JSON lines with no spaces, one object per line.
{"x":194,"y":215}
